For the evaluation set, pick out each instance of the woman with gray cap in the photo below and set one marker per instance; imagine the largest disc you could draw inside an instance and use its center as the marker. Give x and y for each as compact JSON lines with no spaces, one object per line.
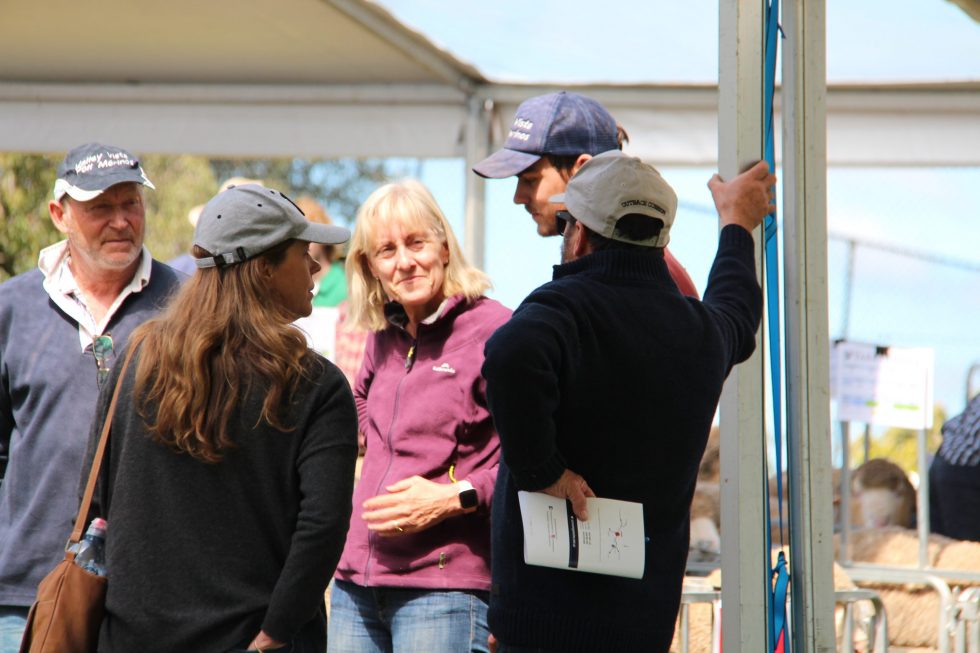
{"x":228,"y":476}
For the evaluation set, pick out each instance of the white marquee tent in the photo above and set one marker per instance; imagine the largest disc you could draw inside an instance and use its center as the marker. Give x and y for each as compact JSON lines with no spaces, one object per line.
{"x":343,"y":78}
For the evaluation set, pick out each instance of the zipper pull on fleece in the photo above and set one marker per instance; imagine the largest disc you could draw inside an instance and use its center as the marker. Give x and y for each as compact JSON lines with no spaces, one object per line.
{"x":410,"y":359}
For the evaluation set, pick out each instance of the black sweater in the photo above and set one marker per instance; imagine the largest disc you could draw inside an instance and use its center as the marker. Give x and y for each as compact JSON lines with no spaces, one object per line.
{"x":201,"y":556}
{"x":610,"y":372}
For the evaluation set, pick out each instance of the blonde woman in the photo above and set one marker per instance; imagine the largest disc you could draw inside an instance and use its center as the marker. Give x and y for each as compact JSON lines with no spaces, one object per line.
{"x":229,"y":471}
{"x":415,"y":572}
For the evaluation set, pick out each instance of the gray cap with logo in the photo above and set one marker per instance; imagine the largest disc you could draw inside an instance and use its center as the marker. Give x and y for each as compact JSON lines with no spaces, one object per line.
{"x":243,"y":221}
{"x":612,"y":185}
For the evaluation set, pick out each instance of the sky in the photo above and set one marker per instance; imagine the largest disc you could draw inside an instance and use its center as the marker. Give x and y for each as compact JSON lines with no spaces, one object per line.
{"x":671,"y":41}
{"x":915,"y":279}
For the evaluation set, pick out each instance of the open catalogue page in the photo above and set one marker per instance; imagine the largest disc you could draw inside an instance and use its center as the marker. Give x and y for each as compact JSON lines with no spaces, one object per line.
{"x":611,"y":542}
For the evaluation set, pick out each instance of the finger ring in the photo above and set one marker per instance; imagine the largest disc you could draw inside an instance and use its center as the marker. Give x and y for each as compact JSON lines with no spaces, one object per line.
{"x":399,"y":528}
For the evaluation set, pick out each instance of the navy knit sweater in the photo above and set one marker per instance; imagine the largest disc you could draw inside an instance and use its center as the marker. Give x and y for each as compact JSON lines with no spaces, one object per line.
{"x":48,"y":392}
{"x":610,"y":372}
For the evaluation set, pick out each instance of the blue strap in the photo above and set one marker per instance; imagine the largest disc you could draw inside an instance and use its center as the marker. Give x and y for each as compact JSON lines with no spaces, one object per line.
{"x":772,"y":250}
{"x":779,"y":575}
{"x":780,"y":580}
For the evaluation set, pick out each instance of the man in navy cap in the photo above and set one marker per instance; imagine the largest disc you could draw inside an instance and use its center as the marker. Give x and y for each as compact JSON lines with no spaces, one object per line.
{"x":61,"y":328}
{"x":551,"y":137}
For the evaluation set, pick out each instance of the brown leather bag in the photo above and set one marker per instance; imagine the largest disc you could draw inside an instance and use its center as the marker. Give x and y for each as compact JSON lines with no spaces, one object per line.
{"x":70,"y":604}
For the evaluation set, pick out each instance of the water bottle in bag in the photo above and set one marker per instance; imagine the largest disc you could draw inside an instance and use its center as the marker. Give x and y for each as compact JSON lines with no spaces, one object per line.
{"x":90,"y":552}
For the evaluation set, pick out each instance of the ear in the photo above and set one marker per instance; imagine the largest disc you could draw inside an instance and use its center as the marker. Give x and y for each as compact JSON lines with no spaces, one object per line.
{"x":368,"y":268}
{"x":57,"y":213}
{"x":445,"y":253}
{"x":579,"y":162}
{"x":266,"y":269}
{"x":580,"y":245}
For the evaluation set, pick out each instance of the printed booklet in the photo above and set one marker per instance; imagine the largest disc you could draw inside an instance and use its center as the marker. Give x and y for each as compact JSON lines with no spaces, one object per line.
{"x":612,"y":542}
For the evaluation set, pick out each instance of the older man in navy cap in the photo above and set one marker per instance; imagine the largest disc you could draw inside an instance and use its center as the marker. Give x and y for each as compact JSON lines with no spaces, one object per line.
{"x":551,"y":137}
{"x":61,"y":326}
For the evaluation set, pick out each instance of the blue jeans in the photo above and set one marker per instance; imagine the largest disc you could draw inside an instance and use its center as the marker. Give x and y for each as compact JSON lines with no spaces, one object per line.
{"x":404,"y":620}
{"x":13,"y":619}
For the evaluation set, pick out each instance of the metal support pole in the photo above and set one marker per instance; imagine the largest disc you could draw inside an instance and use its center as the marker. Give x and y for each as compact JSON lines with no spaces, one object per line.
{"x":477,"y":148}
{"x":922,"y":499}
{"x":845,"y":493}
{"x":848,"y":287}
{"x":867,"y":442}
{"x":744,"y":563}
{"x":804,"y":93}
{"x":970,"y":390}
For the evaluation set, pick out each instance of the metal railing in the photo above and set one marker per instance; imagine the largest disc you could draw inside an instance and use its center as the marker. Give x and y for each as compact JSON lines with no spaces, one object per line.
{"x":966,"y":630}
{"x":874,"y":627}
{"x":947,"y":616}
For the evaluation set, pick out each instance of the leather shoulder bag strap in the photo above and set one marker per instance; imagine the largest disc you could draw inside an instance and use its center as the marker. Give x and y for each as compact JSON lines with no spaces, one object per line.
{"x":93,"y":474}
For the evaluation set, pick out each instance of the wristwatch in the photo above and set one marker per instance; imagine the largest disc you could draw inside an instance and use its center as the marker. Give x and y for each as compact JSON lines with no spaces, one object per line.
{"x":467,"y":495}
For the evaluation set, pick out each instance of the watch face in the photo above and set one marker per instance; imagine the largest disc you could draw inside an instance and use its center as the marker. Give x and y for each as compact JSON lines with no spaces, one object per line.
{"x":468,"y":499}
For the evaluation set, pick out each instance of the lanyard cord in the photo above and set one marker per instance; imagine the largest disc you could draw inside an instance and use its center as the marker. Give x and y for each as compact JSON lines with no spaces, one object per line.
{"x":778,"y":578}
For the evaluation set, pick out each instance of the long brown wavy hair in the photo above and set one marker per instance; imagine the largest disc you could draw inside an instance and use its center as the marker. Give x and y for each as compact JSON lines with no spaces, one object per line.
{"x":219,"y":336}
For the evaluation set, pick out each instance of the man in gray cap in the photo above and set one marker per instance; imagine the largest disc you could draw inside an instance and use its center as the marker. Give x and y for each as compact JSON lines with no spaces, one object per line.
{"x":604,"y":383}
{"x":61,"y":328}
{"x":551,"y":137}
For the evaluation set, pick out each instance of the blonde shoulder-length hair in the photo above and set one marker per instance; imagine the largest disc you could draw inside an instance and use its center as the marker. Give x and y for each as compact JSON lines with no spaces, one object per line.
{"x":219,"y":337}
{"x":411,"y":204}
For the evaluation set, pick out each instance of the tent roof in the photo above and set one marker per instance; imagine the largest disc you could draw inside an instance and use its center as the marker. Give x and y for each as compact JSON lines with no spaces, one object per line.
{"x":219,"y":41}
{"x":336,"y":78}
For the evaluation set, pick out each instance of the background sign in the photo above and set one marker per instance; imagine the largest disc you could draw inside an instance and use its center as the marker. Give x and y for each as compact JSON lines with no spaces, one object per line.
{"x":887,"y":386}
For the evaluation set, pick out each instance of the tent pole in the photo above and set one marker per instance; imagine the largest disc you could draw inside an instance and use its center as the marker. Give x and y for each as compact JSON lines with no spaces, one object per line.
{"x":744,"y":566}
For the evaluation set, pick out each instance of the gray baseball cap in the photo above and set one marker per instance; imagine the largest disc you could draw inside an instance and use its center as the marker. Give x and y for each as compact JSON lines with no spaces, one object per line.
{"x":243,"y":221}
{"x":612,"y":185}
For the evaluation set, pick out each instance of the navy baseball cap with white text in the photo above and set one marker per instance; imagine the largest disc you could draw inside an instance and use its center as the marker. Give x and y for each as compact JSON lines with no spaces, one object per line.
{"x":563,"y":124}
{"x":90,"y":169}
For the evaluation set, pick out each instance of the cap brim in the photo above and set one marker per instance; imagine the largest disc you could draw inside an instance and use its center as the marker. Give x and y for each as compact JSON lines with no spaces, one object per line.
{"x":324,"y":234}
{"x":505,"y":163}
{"x":62,"y":187}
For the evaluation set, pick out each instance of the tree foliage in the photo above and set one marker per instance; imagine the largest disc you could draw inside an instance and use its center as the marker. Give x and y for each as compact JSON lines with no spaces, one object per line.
{"x":900,"y":445}
{"x":182,"y":182}
{"x":340,"y":185}
{"x":26,"y":181}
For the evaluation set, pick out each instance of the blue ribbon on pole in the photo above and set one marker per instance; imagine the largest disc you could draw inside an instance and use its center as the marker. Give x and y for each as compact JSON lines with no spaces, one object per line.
{"x":778,"y":573}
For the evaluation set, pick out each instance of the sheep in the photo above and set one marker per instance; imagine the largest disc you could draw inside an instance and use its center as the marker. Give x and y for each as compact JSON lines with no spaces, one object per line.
{"x":883,"y":495}
{"x":882,"y":514}
{"x":913,"y":609}
{"x":700,"y":615}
